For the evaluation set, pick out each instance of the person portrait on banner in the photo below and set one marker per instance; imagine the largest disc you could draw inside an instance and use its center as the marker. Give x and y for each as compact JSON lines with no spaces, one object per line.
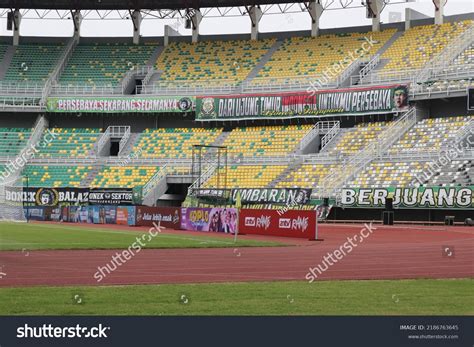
{"x":400,"y":98}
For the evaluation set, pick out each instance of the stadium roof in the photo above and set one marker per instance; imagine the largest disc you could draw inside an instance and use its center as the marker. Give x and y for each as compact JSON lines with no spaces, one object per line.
{"x":129,"y":4}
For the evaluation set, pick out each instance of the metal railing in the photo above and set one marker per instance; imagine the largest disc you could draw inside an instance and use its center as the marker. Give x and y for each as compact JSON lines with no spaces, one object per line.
{"x":320,"y":128}
{"x":349,"y":71}
{"x":155,"y":180}
{"x":436,"y":65}
{"x":14,"y":88}
{"x":63,"y":60}
{"x":124,"y":140}
{"x":26,"y":154}
{"x":188,"y":88}
{"x":466,"y":129}
{"x":38,"y":130}
{"x":369,"y":66}
{"x":118,"y":130}
{"x":149,"y":75}
{"x":205,"y":176}
{"x":331,"y":184}
{"x":380,"y":77}
{"x":21,"y":103}
{"x":453,"y":72}
{"x":331,"y":134}
{"x":455,"y":47}
{"x":133,"y":72}
{"x":84,"y":89}
{"x":102,"y":141}
{"x":428,"y":91}
{"x":60,"y":67}
{"x":209,"y":87}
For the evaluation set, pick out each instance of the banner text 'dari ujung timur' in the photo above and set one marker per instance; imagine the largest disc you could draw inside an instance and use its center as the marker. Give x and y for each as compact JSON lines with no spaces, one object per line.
{"x":353,"y":101}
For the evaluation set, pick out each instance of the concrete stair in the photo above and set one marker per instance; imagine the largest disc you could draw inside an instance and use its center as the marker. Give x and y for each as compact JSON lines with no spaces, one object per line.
{"x":7,"y":59}
{"x":292,"y":167}
{"x":221,"y":138}
{"x":389,"y":43}
{"x":130,"y":144}
{"x":91,"y":175}
{"x":380,"y":52}
{"x":331,"y":144}
{"x":266,"y":57}
{"x":154,"y":56}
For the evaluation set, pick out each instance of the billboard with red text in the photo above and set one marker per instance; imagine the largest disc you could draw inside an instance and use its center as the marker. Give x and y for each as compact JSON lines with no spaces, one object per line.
{"x":292,"y":223}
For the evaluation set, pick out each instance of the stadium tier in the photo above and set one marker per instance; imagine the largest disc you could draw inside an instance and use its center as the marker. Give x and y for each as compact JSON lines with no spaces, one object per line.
{"x":13,"y":140}
{"x":211,"y":61}
{"x":390,"y":174}
{"x":55,"y":176}
{"x":306,"y":176}
{"x":124,"y":176}
{"x":3,"y":51}
{"x":308,"y":56}
{"x":447,"y":85}
{"x":420,"y":44}
{"x":265,"y":140}
{"x":262,"y":152}
{"x":352,"y":140}
{"x":456,"y":173}
{"x":33,"y":62}
{"x":246,"y":176}
{"x":173,"y":142}
{"x":430,"y":134}
{"x":68,"y":142}
{"x":104,"y":64}
{"x":463,"y":61}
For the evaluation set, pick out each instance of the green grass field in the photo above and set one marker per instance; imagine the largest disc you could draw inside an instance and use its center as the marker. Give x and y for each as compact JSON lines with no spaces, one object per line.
{"x":397,"y":297}
{"x":400,"y":297}
{"x":34,"y":236}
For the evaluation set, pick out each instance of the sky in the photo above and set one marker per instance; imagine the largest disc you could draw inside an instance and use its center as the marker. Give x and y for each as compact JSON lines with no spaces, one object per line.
{"x":332,"y":17}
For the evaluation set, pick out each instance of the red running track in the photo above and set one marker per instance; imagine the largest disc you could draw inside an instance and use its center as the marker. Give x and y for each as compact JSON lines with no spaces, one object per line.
{"x":389,"y":253}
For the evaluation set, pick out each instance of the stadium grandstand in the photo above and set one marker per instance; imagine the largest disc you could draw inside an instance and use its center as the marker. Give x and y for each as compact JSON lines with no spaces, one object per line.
{"x":181,"y":119}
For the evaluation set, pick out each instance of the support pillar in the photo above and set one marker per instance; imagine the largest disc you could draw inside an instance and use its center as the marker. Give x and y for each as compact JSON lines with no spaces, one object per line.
{"x":169,"y":32}
{"x":16,"y":27}
{"x":196,"y":19}
{"x":374,"y":9}
{"x":439,"y":11}
{"x":411,"y":15}
{"x":315,"y":10}
{"x":137,"y":23}
{"x":255,"y":13}
{"x":77,"y":19}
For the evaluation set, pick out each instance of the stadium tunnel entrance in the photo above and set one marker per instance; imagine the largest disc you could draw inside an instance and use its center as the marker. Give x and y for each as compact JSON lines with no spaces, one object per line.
{"x":174,"y":195}
{"x":114,"y":148}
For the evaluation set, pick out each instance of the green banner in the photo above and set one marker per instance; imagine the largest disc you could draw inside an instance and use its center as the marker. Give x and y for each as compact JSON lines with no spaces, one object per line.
{"x":121,"y":105}
{"x":313,"y":103}
{"x":421,"y":197}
